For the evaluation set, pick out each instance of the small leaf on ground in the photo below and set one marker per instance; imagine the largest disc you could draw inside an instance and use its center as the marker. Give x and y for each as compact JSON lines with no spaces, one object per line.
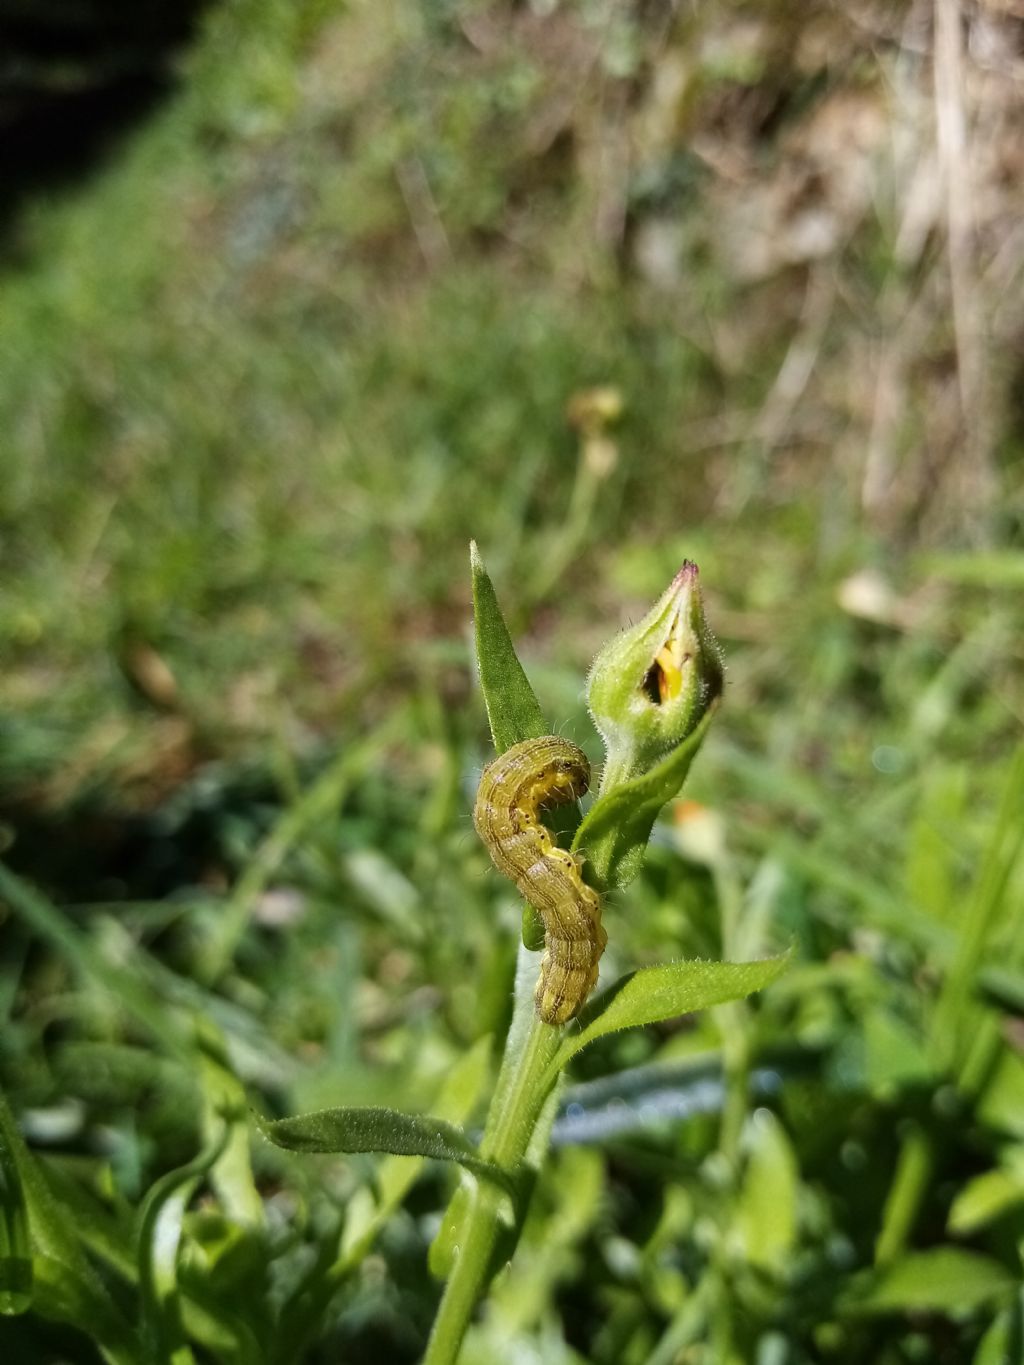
{"x":984,"y":1198}
{"x":941,"y":1280}
{"x":65,"y":1287}
{"x":160,"y":1226}
{"x":766,"y":1214}
{"x":15,"y":1248}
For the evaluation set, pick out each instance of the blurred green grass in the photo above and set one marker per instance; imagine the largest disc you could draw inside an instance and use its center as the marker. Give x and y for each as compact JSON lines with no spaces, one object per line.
{"x":317,"y":321}
{"x":256,"y":419}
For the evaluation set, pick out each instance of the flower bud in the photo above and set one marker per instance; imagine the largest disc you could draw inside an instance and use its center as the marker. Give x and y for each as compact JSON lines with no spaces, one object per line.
{"x":650,"y":687}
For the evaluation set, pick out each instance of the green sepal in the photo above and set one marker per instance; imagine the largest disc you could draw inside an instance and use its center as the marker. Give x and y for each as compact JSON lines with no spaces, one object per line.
{"x":614,"y":833}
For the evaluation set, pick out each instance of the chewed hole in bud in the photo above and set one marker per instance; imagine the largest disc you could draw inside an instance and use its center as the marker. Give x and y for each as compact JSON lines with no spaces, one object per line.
{"x":651,"y":685}
{"x":663,"y":681}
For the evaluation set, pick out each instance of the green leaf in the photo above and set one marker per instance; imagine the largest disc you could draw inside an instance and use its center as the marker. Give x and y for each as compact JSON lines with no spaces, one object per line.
{"x":458,"y":1095}
{"x":1003,"y":1343}
{"x":1003,"y":987}
{"x":915,"y":1165}
{"x":615,"y":831}
{"x":368,"y":1211}
{"x":894,"y":1055}
{"x":381,"y":1130}
{"x":931,"y":867}
{"x":984,"y":1198}
{"x":991,"y":569}
{"x":1002,"y":1102}
{"x":513,"y":711}
{"x":456,"y":1099}
{"x":655,"y":993}
{"x":956,"y":1018}
{"x":942,"y":1280}
{"x":65,"y":1287}
{"x":224,"y":1102}
{"x":766,"y":1215}
{"x":62,"y":1294}
{"x":15,"y":1248}
{"x":105,"y":1226}
{"x":160,"y":1220}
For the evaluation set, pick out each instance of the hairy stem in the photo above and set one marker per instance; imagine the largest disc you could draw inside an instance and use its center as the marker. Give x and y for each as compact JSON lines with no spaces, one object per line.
{"x":524,"y":1083}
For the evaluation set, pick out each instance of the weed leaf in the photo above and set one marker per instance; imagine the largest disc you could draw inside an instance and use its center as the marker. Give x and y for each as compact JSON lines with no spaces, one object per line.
{"x":160,"y":1221}
{"x":655,"y":993}
{"x":513,"y":711}
{"x":941,"y":1280}
{"x":381,"y":1130}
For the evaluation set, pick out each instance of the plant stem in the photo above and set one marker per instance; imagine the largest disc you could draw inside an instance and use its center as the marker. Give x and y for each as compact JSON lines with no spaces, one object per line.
{"x":734,"y":1026}
{"x":466,"y":1281}
{"x":909,"y":1185}
{"x":733,"y":1021}
{"x":524,"y":1083}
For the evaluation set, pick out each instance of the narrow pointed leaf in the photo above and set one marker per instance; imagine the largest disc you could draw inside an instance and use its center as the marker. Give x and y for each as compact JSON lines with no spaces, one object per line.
{"x":984,"y":1198}
{"x":160,"y":1221}
{"x":224,"y":1102}
{"x":65,"y":1287}
{"x":1003,"y":1343}
{"x":655,"y":993}
{"x":513,"y":711}
{"x":395,"y":1178}
{"x":380,"y":1130}
{"x":766,"y":1211}
{"x":15,"y":1248}
{"x":942,"y":1280}
{"x":61,"y":1294}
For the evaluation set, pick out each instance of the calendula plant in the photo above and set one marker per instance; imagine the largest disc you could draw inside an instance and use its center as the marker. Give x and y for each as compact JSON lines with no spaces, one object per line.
{"x":653,"y":692}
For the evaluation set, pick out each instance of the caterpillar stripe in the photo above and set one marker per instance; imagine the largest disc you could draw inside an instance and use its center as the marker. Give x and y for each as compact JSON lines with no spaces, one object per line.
{"x":529,"y":777}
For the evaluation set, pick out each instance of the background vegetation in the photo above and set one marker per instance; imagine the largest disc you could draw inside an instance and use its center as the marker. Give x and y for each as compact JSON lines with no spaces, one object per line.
{"x":298,"y":296}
